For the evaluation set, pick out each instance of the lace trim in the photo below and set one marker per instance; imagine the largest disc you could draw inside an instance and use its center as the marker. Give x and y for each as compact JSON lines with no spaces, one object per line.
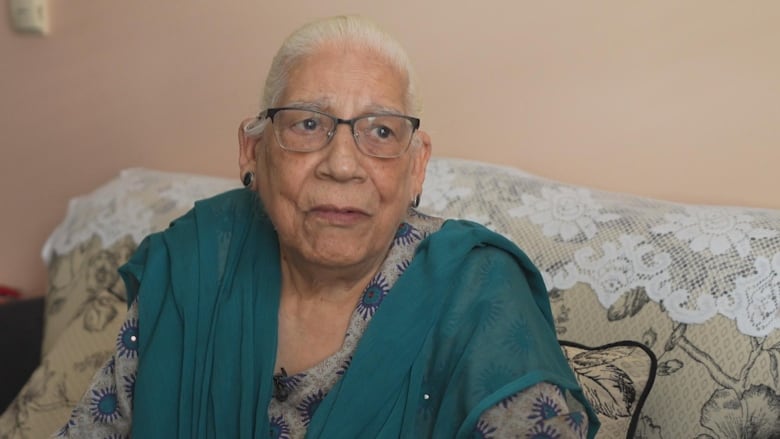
{"x":697,"y":261}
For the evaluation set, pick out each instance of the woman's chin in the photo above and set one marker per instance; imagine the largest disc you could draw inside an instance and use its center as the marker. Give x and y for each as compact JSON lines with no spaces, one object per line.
{"x":340,"y":258}
{"x":342,"y":254}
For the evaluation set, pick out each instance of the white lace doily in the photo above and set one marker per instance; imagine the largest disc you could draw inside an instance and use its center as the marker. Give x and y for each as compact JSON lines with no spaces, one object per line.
{"x":136,"y":203}
{"x":697,"y":261}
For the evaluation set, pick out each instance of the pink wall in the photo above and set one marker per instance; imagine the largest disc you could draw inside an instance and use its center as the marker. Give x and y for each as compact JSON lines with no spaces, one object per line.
{"x":677,"y":100}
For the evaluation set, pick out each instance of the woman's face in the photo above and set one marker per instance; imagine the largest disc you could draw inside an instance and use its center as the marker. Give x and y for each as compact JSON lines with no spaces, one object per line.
{"x":337,"y":207}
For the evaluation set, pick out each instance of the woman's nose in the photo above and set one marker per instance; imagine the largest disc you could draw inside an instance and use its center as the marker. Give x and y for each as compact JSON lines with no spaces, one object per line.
{"x":342,"y":160}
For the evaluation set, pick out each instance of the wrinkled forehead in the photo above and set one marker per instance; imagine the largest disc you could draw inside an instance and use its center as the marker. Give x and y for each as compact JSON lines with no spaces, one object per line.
{"x":340,"y":70}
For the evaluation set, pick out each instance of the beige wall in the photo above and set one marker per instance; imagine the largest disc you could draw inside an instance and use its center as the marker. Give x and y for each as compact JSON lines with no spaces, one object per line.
{"x":672,"y":99}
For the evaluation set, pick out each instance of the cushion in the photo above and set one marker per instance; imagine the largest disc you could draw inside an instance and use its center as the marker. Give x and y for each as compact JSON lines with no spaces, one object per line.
{"x":616,"y":379}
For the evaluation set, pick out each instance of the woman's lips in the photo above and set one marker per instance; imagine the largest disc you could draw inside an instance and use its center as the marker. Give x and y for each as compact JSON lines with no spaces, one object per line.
{"x":341,"y":216}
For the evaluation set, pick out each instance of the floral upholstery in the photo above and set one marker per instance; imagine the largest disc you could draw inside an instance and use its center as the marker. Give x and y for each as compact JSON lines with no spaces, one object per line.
{"x":616,"y":379}
{"x":699,"y":286}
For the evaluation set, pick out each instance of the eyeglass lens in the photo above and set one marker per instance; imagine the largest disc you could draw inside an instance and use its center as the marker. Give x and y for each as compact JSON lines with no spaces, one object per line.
{"x":376,"y":135}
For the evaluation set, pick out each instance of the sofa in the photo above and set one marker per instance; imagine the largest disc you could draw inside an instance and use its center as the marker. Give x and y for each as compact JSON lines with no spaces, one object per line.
{"x":668,"y":313}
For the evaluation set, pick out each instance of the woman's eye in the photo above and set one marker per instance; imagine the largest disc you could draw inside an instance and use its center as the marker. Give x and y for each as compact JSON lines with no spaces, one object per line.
{"x":308,"y":124}
{"x":383,"y":132}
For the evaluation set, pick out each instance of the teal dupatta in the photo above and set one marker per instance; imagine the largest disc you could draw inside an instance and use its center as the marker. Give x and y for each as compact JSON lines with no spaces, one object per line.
{"x":467,"y":325}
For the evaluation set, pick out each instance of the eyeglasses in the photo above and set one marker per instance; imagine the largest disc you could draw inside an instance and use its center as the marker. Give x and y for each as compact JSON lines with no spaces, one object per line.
{"x":376,"y":135}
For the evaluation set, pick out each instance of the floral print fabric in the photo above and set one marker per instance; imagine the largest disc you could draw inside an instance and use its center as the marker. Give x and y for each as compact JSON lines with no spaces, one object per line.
{"x":698,"y":285}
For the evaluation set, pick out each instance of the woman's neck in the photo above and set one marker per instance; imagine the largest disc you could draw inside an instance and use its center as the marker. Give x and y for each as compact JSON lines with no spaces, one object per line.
{"x":310,"y":282}
{"x":315,"y":308}
{"x":313,"y":318}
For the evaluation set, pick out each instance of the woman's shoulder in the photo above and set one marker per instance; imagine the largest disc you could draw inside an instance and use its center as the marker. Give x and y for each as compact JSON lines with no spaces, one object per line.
{"x":468,"y":239}
{"x":223,"y":211}
{"x":209,"y":218}
{"x":228,"y":206}
{"x":454,"y":241}
{"x":482,"y":264}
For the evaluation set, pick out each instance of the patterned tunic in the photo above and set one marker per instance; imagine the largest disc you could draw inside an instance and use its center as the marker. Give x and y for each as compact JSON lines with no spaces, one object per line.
{"x":541,"y":411}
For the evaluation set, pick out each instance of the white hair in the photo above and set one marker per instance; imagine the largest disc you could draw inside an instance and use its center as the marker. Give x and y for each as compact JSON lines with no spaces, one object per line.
{"x":349,"y":30}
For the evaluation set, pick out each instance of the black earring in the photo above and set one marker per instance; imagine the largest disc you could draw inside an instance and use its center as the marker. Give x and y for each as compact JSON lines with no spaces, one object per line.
{"x":248,"y":179}
{"x":416,"y":201}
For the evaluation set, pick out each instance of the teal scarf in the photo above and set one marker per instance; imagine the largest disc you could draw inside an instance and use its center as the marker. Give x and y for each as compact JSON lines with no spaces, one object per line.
{"x":467,"y":325}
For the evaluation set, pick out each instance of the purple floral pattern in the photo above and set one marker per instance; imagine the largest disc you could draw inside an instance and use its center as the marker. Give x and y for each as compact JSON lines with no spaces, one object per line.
{"x":127,"y":341}
{"x":279,"y":428}
{"x":373,"y":295}
{"x":309,"y":405}
{"x":104,"y":407}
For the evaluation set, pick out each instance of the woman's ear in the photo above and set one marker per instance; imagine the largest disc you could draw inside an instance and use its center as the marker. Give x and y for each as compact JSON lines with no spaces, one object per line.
{"x":420,"y":160}
{"x":247,"y":149}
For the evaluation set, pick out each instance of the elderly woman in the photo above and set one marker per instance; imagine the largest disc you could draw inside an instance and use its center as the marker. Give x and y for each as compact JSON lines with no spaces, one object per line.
{"x":318,"y":302}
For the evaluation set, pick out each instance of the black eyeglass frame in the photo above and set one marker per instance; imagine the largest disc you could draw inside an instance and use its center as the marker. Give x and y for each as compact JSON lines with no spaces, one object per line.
{"x":271,"y":112}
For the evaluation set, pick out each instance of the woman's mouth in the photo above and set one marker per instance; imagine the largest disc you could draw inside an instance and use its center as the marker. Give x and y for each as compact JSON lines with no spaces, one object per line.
{"x":339,"y":216}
